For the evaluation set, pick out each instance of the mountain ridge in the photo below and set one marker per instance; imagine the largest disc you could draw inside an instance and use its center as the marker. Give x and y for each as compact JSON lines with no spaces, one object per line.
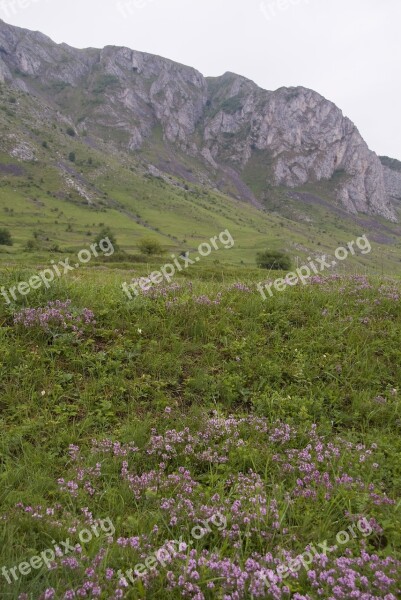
{"x":246,"y":141}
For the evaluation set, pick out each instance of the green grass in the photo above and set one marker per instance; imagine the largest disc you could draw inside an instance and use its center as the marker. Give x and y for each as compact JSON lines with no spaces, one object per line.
{"x":320,"y":354}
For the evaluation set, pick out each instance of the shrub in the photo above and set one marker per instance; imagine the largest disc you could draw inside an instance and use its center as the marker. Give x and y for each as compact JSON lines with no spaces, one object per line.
{"x":103,"y":82}
{"x":106,"y":232}
{"x":31,"y":246}
{"x":5,"y":237}
{"x":150,"y":247}
{"x":275,"y":261}
{"x":70,"y":131}
{"x":72,"y":157}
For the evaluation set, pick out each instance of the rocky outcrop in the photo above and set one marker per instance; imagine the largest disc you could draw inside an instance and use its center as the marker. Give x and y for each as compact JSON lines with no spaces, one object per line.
{"x":289,"y":137}
{"x":392,"y":178}
{"x":307,"y":137}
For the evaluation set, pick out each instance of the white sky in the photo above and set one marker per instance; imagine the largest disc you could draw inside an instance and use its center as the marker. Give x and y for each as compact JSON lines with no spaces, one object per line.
{"x":347,"y":50}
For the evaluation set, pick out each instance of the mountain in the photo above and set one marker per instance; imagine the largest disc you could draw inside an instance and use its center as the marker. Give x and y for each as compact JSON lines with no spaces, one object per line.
{"x":392,"y":177}
{"x":222,"y":132}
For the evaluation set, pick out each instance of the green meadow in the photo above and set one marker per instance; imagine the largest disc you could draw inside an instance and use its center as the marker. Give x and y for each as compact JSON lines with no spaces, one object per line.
{"x":200,"y":402}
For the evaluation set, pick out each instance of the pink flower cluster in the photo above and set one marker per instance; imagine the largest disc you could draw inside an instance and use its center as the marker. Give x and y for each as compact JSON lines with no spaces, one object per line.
{"x":55,"y":315}
{"x":182,"y":475}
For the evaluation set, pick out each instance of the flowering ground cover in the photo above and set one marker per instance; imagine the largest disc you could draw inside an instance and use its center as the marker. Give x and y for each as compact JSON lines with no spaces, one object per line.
{"x":236,"y":448}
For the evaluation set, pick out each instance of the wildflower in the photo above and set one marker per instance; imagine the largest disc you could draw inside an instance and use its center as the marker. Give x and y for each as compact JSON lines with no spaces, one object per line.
{"x":55,"y":315}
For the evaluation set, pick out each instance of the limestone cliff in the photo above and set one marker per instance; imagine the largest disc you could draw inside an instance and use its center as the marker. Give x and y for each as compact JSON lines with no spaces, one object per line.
{"x":291,"y":136}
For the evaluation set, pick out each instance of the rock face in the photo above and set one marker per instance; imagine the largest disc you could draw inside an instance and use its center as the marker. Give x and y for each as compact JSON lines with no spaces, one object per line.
{"x":392,"y":177}
{"x":289,"y":137}
{"x":308,"y":140}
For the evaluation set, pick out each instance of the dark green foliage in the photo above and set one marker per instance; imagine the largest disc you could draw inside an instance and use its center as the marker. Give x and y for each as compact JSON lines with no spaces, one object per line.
{"x":103,"y":82}
{"x":72,"y":157}
{"x":5,"y":237}
{"x":233,"y":105}
{"x":275,"y":261}
{"x":32,"y":246}
{"x":106,"y":232}
{"x":391,"y":163}
{"x":150,"y":247}
{"x":59,"y":86}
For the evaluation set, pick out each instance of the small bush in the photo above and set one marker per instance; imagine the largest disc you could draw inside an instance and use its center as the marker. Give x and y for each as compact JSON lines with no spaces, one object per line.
{"x":275,"y":261}
{"x":31,"y":246}
{"x":104,"y":82}
{"x":150,"y":247}
{"x":70,"y":131}
{"x":72,"y":157}
{"x":5,"y":237}
{"x":106,"y":232}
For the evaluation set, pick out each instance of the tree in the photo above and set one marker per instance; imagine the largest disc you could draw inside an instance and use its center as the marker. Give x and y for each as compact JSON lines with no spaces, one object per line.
{"x":150,"y":247}
{"x":275,"y":261}
{"x":71,"y":156}
{"x":5,"y":237}
{"x":32,"y":245}
{"x":106,"y":232}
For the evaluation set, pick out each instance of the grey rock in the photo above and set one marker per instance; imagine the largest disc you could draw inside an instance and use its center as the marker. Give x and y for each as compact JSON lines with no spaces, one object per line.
{"x":292,"y":136}
{"x":392,"y":178}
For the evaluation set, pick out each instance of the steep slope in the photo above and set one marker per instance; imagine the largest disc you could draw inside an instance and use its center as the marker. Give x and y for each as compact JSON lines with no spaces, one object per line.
{"x":392,"y":177}
{"x":58,"y":190}
{"x":304,"y":137}
{"x":242,"y":139}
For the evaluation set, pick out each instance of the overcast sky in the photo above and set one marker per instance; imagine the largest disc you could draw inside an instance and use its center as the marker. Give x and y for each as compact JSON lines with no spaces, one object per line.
{"x":347,"y":50}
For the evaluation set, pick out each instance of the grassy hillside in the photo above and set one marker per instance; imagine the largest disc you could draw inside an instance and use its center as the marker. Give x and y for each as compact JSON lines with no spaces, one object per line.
{"x":62,"y":204}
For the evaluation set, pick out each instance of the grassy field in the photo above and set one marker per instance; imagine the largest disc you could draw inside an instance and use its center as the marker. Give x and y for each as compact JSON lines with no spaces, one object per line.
{"x":193,"y":442}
